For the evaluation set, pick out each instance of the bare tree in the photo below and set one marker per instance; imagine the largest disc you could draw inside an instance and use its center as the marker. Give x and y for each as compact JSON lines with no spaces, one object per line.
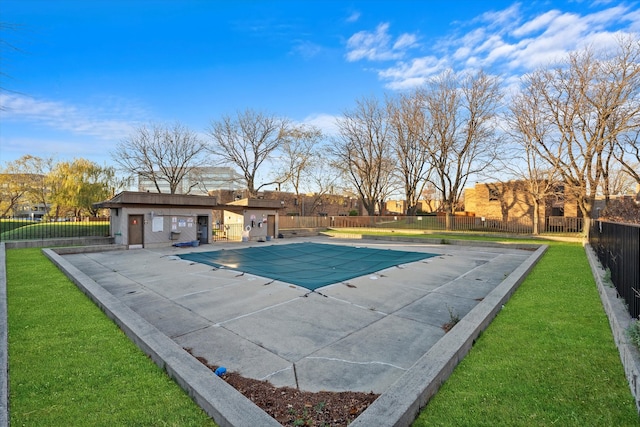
{"x":621,"y":181}
{"x":429,"y":197}
{"x":363,"y":151}
{"x":247,"y":141}
{"x":526,"y":127}
{"x":627,"y":152}
{"x":590,"y":102}
{"x":161,"y":154}
{"x":461,"y":110}
{"x":298,"y":154}
{"x":411,"y":133}
{"x":322,"y":179}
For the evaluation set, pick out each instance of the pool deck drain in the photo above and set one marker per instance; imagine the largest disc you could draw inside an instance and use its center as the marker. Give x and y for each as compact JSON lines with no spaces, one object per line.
{"x":381,"y":332}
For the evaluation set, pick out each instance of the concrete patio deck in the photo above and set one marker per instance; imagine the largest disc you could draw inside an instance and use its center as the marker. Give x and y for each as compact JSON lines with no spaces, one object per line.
{"x":382,"y":332}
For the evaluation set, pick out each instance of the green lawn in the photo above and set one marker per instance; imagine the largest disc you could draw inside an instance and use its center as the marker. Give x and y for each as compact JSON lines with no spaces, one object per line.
{"x":547,"y":359}
{"x":70,"y":365}
{"x":10,"y":224}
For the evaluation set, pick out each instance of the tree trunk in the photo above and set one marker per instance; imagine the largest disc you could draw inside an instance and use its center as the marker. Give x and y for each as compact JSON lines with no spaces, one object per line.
{"x":447,"y":221}
{"x":536,"y":217}
{"x":586,"y":226}
{"x":586,"y":206}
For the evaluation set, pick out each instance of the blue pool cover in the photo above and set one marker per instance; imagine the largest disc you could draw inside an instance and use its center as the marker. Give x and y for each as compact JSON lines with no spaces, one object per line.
{"x":310,"y":265}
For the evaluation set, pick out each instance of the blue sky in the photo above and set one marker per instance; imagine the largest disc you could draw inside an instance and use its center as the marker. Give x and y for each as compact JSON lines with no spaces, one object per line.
{"x":86,"y":73}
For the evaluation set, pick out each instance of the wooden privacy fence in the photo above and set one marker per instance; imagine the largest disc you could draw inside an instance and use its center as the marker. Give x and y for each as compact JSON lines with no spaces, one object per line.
{"x":432,"y":222}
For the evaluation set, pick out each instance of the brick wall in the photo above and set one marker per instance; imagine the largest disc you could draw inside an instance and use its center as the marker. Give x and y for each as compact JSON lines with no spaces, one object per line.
{"x":506,"y":201}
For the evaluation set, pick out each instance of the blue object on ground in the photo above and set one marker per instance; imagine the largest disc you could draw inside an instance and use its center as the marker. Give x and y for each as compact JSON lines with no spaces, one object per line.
{"x":194,"y":243}
{"x":310,"y":265}
{"x":220,"y":371}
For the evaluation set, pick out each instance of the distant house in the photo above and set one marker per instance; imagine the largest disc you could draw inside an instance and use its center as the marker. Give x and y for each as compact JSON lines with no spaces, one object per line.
{"x":17,"y":195}
{"x":510,"y":201}
{"x":399,"y":207}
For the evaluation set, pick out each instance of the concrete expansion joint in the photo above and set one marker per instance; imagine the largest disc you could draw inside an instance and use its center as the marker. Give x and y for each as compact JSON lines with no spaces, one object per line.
{"x":195,"y":293}
{"x":266,"y":378}
{"x":255,"y":312}
{"x":174,"y":337}
{"x":358,"y":305}
{"x":353,"y":362}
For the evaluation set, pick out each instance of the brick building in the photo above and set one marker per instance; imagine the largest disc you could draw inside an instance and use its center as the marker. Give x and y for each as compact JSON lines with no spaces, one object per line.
{"x":510,"y":201}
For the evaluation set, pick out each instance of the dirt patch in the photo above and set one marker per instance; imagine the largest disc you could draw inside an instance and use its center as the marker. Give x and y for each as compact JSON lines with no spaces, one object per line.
{"x":448,"y":326}
{"x":292,"y":407}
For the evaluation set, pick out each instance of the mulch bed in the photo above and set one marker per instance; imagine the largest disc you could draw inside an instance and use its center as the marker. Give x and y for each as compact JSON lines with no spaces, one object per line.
{"x":292,"y":407}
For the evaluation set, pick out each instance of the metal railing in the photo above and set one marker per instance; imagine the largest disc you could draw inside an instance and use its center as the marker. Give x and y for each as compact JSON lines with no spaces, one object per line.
{"x":563,"y":224}
{"x":27,"y":229}
{"x":231,"y":232}
{"x":618,"y":249}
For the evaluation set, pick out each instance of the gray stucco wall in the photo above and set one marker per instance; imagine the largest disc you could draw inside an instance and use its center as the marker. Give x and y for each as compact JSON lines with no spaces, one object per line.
{"x":257,"y":220}
{"x":158,"y":225}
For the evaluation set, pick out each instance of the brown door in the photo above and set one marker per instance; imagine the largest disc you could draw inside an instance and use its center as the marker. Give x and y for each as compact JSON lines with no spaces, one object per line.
{"x":271,"y":225}
{"x":135,"y":229}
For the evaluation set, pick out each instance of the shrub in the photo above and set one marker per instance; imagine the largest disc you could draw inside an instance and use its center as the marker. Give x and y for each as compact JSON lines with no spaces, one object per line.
{"x":633,"y":332}
{"x":622,"y":210}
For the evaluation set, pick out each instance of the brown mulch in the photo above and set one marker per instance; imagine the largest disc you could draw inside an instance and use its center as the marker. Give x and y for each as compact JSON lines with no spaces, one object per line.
{"x":292,"y":407}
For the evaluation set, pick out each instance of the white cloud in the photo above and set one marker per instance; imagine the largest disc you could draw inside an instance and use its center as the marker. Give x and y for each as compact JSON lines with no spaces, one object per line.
{"x":378,"y":45}
{"x":604,"y":17}
{"x":61,"y":116}
{"x":501,"y":18}
{"x":461,"y":53}
{"x":536,"y":53}
{"x":536,"y":24}
{"x":493,"y":49}
{"x":414,"y":73}
{"x":54,"y":146}
{"x":326,"y":122}
{"x":634,"y":21}
{"x":509,"y":42}
{"x":405,"y":41}
{"x":353,"y":17}
{"x":499,"y":51}
{"x":306,"y":49}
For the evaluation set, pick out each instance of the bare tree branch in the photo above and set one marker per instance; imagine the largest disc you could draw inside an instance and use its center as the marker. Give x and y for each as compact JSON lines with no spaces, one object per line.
{"x":160,"y":154}
{"x":247,"y":141}
{"x":461,"y":111}
{"x":411,"y":133}
{"x":590,"y":104}
{"x":363,"y":151}
{"x":298,"y":153}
